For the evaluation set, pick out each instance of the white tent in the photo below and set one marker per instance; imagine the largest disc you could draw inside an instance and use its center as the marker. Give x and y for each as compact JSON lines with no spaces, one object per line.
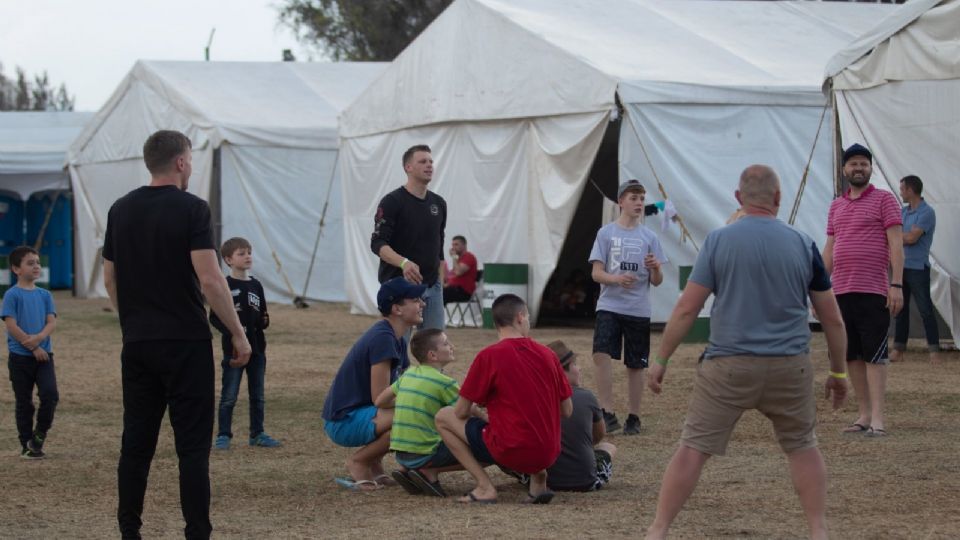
{"x":515,"y":98}
{"x":264,"y":153}
{"x":897,"y":90}
{"x":32,"y":149}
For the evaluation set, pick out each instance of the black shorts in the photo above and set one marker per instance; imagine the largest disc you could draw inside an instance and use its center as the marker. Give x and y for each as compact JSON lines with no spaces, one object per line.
{"x":614,"y":331}
{"x":868,"y":321}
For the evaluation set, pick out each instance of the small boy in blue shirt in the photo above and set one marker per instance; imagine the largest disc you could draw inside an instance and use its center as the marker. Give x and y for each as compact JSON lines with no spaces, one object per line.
{"x":251,"y":306}
{"x":30,"y":319}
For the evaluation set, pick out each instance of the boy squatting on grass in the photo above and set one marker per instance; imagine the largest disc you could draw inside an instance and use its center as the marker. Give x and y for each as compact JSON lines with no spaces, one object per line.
{"x":251,"y":307}
{"x":30,"y":319}
{"x":585,"y":462}
{"x":415,"y":398}
{"x":374,"y":362}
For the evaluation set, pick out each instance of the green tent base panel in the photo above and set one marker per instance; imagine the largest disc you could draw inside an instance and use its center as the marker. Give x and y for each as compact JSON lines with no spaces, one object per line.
{"x":699,"y":332}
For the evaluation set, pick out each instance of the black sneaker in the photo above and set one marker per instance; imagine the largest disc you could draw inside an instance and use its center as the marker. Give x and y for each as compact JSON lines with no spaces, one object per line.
{"x":610,"y":419}
{"x":31,"y":454}
{"x":35,"y":444}
{"x":633,"y":425}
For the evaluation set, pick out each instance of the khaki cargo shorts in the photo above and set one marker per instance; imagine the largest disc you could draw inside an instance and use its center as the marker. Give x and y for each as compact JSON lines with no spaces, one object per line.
{"x":780,"y":387}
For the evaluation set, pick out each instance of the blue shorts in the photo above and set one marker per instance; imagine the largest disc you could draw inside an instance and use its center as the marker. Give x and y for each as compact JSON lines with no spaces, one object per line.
{"x":474,"y":432}
{"x":441,"y":457}
{"x":355,"y":429}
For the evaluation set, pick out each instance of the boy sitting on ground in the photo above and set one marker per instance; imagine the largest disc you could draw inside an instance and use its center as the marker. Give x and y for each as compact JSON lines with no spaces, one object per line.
{"x":415,"y":399}
{"x":525,"y":392}
{"x":373,"y":363}
{"x":585,"y":463}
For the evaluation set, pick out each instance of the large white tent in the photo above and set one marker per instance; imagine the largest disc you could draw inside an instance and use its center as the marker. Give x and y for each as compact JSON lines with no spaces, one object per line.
{"x":32,"y":149}
{"x":515,"y":98}
{"x":264,"y":154}
{"x":897,"y":90}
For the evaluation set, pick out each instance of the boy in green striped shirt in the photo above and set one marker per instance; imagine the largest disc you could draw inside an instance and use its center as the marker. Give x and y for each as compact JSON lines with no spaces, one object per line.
{"x":416,"y":397}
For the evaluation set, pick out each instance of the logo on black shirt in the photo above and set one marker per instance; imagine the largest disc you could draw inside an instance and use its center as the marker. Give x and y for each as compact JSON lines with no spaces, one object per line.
{"x":434,"y":210}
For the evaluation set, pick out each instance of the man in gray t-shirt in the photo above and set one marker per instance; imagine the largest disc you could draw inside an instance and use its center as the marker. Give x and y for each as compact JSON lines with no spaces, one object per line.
{"x":626,"y":259}
{"x":761,"y":272}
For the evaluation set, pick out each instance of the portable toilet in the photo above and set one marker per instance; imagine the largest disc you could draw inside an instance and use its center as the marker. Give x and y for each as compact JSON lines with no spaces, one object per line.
{"x":50,"y":215}
{"x":11,"y":233}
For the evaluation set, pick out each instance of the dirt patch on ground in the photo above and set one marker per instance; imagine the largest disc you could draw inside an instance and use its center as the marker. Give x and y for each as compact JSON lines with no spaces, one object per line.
{"x":904,"y":486}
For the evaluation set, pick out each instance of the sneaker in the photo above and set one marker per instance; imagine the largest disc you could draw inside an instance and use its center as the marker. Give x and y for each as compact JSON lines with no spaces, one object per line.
{"x":27,"y":453}
{"x":632,"y":426}
{"x":610,"y":419}
{"x":223,"y":442}
{"x":265,"y":441}
{"x":36,"y":442}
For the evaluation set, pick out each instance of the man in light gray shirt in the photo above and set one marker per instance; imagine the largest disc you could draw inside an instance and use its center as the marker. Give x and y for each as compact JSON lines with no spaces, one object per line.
{"x":762,"y":271}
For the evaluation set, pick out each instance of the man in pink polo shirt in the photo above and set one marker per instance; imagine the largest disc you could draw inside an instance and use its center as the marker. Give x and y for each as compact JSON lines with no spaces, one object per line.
{"x":864,"y":239}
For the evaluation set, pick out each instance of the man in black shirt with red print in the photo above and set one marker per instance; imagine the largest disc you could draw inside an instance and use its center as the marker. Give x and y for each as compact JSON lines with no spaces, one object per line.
{"x":158,"y":257}
{"x":408,"y":233}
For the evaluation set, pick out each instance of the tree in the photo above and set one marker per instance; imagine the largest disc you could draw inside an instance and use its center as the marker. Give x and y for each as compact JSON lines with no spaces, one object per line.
{"x":39,"y":95}
{"x":372,"y":30}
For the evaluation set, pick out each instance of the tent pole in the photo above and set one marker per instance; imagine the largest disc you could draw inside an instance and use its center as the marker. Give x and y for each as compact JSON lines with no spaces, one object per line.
{"x":663,"y":192}
{"x":46,"y":221}
{"x":806,"y":170}
{"x":300,"y":301}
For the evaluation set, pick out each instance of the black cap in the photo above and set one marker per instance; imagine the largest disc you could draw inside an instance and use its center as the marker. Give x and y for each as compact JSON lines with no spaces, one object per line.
{"x":856,"y":150}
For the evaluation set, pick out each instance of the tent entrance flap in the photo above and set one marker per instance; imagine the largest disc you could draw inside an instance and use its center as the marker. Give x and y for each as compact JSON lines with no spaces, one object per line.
{"x":570,"y":296}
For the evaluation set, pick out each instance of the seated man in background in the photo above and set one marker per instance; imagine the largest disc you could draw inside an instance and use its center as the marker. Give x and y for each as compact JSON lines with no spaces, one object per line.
{"x":461,"y":280}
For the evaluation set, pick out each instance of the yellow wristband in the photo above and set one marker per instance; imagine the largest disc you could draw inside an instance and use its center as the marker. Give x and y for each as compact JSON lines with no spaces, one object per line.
{"x":403,"y":262}
{"x":836,"y":375}
{"x":662,"y":361}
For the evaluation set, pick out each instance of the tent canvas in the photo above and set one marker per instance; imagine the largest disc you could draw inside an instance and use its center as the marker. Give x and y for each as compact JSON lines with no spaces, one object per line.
{"x":515,"y":99}
{"x":897,"y":91}
{"x":265,"y":155}
{"x":32,"y":149}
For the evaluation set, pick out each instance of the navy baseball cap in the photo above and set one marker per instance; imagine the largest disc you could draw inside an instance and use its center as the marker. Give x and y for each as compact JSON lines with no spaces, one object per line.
{"x":395,"y":291}
{"x":856,"y":150}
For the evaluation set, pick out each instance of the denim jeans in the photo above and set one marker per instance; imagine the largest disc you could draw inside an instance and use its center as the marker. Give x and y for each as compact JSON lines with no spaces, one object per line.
{"x":433,"y":314}
{"x":157,"y":375}
{"x":916,"y":283}
{"x":25,"y":372}
{"x":256,"y":368}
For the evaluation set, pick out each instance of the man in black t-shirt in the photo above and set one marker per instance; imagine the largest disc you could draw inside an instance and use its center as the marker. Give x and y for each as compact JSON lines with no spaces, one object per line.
{"x":158,"y":256}
{"x":408,"y":233}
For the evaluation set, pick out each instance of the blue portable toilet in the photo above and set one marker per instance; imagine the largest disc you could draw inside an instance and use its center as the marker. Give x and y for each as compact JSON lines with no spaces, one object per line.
{"x":11,"y":233}
{"x":51,"y":213}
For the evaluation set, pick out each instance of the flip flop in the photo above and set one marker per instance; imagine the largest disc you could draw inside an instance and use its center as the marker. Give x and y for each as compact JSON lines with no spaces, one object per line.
{"x":426,"y":486}
{"x":541,"y":498}
{"x":404,"y":481}
{"x":384,"y":480}
{"x":855,"y":428}
{"x":357,"y":485}
{"x":875,"y":432}
{"x":472,"y":499}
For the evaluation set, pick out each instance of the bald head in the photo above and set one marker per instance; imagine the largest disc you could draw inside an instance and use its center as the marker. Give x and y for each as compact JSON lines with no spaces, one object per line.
{"x":759,"y":186}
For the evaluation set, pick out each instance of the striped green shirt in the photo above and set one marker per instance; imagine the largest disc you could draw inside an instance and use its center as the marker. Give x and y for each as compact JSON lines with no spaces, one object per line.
{"x":421,"y":392}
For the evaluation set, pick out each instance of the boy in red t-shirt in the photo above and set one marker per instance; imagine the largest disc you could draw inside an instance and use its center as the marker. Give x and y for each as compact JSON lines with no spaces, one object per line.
{"x":522,"y":385}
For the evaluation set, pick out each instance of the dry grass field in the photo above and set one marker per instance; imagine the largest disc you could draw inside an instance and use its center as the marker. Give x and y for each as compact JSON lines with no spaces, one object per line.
{"x":904,"y":486}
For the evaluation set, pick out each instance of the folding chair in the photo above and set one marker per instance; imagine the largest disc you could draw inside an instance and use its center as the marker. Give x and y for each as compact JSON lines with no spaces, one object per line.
{"x":457,"y":311}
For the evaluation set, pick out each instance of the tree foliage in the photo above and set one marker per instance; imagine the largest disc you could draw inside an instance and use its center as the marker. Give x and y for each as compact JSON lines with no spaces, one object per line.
{"x":368,"y":30}
{"x":22,"y":94}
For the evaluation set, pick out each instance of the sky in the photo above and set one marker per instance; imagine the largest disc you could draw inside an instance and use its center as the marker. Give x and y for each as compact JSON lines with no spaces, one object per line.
{"x":91,"y":44}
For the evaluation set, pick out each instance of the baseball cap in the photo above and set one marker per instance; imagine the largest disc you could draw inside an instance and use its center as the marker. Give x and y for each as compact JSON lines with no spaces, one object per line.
{"x":395,"y":291}
{"x":856,"y":150}
{"x":629,"y":184}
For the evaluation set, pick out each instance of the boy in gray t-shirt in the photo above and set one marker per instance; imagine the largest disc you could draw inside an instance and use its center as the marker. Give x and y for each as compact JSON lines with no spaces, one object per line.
{"x":626,"y":259}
